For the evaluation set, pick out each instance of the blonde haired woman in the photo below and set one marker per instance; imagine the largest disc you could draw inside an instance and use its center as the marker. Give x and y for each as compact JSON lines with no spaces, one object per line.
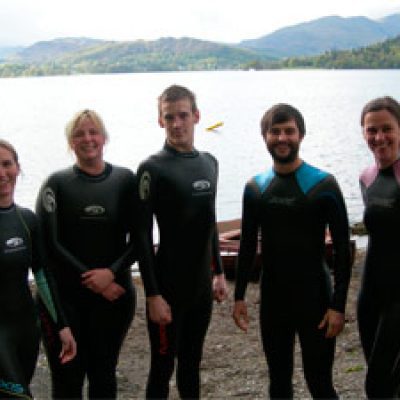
{"x":87,"y":217}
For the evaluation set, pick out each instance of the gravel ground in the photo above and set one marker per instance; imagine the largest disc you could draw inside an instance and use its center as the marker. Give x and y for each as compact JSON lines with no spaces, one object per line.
{"x":233,"y":362}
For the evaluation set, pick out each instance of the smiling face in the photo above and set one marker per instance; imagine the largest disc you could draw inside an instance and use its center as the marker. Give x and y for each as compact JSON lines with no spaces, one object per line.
{"x":283,"y":141}
{"x":382,"y":133}
{"x":178,"y":119}
{"x":87,"y":141}
{"x":9,"y":170}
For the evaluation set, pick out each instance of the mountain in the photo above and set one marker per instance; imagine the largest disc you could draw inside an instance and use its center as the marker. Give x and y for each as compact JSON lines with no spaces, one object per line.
{"x":71,"y":56}
{"x":7,"y":51}
{"x":384,"y":55}
{"x":53,"y":49}
{"x":84,"y":55}
{"x":327,"y":33}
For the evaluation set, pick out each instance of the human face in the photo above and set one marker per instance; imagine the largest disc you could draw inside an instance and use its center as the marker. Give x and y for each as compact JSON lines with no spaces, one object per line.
{"x":9,"y":170}
{"x":178,"y":120}
{"x":87,"y":142}
{"x":283,"y":142}
{"x":382,"y":133}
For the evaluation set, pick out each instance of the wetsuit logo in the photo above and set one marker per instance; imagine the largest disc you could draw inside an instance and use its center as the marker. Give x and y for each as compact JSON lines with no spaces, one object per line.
{"x":144,"y":186}
{"x":11,"y":387}
{"x":94,"y":210}
{"x":49,"y":200}
{"x":201,"y":186}
{"x":14,"y":242}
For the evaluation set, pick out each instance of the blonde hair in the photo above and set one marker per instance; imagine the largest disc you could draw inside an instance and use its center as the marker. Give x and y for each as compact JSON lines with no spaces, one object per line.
{"x":79,"y":117}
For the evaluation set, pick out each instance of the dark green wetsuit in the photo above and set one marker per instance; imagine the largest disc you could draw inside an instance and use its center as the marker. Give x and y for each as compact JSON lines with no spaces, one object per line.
{"x":20,"y":249}
{"x":292,"y":211}
{"x":179,"y":189}
{"x":88,"y":222}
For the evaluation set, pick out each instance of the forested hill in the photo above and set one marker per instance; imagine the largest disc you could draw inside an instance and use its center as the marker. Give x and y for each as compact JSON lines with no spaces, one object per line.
{"x":60,"y":57}
{"x":377,"y":56}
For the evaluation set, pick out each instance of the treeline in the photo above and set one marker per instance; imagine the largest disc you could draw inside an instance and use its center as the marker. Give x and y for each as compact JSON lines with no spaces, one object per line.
{"x":384,"y":55}
{"x":166,"y":54}
{"x":194,"y":55}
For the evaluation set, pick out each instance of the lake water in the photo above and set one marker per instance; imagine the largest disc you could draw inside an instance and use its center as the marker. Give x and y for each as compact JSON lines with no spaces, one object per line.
{"x":34,"y":112}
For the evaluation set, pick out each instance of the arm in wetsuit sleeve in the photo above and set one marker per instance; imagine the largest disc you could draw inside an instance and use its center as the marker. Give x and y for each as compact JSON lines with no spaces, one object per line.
{"x":45,"y":283}
{"x":131,"y":201}
{"x":147,"y":184}
{"x":46,"y":210}
{"x":339,"y":228}
{"x":216,"y":256}
{"x":248,"y":239}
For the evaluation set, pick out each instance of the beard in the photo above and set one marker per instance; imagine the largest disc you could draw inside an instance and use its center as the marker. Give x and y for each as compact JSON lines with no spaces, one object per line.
{"x":286,"y":159}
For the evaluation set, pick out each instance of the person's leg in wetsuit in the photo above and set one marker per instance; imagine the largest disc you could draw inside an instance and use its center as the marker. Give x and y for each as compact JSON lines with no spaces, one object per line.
{"x":278,"y":338}
{"x":66,"y":379}
{"x":99,"y":330}
{"x":190,"y":349}
{"x":182,"y":339}
{"x":318,"y":355}
{"x":379,"y":334}
{"x":19,"y":349}
{"x":107,"y":327}
{"x":163,"y":349}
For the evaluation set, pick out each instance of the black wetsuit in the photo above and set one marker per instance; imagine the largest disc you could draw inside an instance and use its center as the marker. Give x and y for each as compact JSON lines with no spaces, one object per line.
{"x":20,"y":249}
{"x":379,"y":300}
{"x":293,"y":211}
{"x":179,"y":189}
{"x":87,"y":221}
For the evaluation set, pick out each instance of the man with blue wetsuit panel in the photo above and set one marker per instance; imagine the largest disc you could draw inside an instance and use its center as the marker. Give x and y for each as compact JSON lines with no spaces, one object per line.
{"x":291,"y":205}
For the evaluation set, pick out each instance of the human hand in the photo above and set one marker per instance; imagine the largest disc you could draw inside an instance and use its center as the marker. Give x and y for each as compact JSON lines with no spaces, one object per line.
{"x":68,"y":345}
{"x":240,"y":315}
{"x":333,"y":321}
{"x":159,"y":310}
{"x":97,"y":279}
{"x":220,"y":290}
{"x":113,"y":291}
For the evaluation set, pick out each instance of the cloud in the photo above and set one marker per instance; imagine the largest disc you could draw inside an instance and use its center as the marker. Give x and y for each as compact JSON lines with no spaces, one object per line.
{"x":26,"y":21}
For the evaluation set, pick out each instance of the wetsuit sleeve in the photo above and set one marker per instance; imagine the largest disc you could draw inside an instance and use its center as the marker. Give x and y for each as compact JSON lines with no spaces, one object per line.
{"x":339,"y":228}
{"x":46,"y":286}
{"x":217,"y":262}
{"x":146,"y":190}
{"x":248,"y":240}
{"x":363,"y":191}
{"x":46,"y":210}
{"x":129,"y":256}
{"x":216,"y":255}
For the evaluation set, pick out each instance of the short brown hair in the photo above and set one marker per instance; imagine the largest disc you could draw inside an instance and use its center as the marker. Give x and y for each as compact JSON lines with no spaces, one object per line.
{"x":175,"y":93}
{"x":280,"y":113}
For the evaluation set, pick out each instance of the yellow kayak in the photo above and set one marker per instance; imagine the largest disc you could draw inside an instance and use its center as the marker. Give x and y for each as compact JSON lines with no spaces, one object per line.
{"x":215,"y":126}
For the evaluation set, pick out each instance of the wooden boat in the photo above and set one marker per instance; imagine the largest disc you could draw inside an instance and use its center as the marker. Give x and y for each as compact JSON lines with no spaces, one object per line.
{"x":229,"y":242}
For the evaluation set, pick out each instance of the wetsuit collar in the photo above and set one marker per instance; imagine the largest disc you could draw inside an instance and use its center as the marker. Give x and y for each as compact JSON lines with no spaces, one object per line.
{"x":97,"y":178}
{"x":188,"y":154}
{"x":292,"y":172}
{"x":6,"y":209}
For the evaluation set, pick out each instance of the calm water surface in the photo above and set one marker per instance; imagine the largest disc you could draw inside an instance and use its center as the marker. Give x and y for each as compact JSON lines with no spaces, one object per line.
{"x":34,"y":112}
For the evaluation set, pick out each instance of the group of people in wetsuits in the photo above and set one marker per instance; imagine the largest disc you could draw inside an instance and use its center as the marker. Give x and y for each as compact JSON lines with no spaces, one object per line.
{"x":94,"y":220}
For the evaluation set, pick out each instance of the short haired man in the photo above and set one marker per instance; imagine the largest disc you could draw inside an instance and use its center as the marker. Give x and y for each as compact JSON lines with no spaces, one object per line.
{"x":292,"y":204}
{"x":178,"y":186}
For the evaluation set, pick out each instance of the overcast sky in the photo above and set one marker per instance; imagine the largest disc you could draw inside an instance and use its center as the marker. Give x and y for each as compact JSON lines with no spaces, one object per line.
{"x":23,"y":22}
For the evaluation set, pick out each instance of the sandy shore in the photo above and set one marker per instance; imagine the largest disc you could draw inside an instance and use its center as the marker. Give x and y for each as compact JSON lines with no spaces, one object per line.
{"x":233,"y":362}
